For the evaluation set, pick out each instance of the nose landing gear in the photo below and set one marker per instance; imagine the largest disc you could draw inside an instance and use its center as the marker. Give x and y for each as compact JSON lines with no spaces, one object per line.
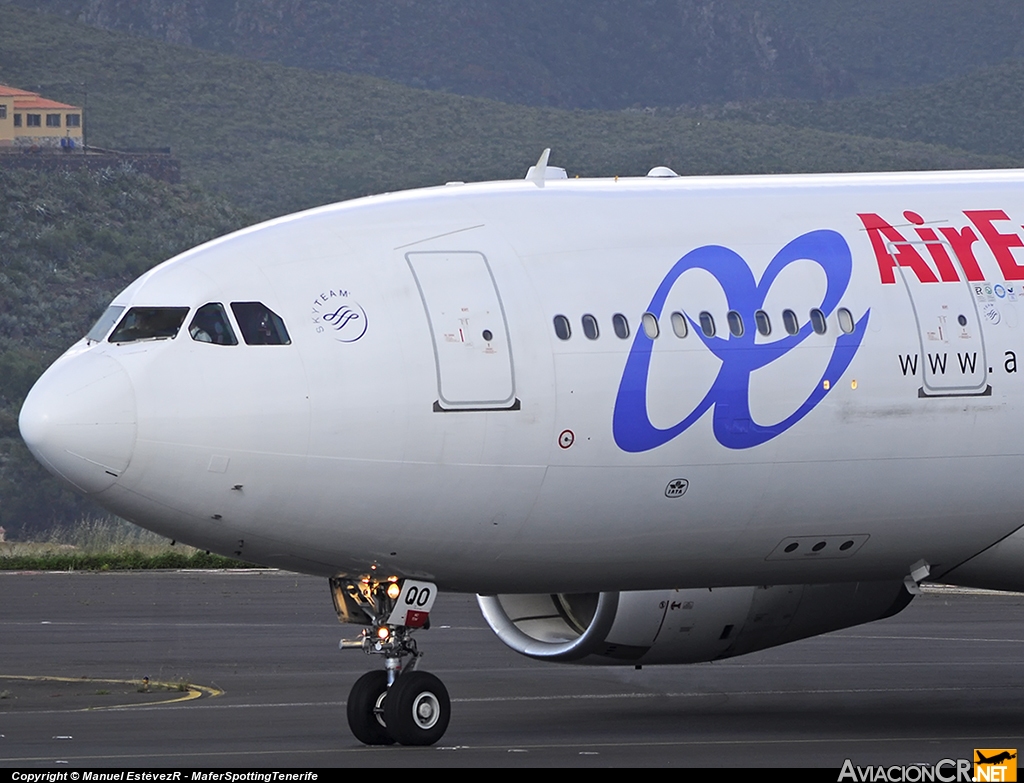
{"x":398,"y":704}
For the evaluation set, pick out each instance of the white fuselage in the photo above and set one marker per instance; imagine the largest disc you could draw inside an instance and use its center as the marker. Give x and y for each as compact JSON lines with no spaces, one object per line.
{"x":393,"y":435}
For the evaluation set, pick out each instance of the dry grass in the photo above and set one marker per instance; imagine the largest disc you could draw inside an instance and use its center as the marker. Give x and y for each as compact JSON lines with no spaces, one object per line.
{"x":103,"y":535}
{"x":105,"y":544}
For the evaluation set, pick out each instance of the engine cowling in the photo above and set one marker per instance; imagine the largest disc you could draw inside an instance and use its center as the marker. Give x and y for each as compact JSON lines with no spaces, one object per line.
{"x":682,"y":626}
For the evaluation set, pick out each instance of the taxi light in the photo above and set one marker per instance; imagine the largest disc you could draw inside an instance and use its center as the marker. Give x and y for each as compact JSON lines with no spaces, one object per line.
{"x":383,"y":633}
{"x":394,"y":590}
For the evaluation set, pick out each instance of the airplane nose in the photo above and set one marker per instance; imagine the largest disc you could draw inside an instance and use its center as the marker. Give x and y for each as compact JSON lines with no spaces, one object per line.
{"x":79,"y":420}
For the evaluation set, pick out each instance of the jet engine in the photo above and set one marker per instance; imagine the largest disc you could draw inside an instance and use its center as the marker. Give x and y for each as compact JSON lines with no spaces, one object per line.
{"x":682,"y":626}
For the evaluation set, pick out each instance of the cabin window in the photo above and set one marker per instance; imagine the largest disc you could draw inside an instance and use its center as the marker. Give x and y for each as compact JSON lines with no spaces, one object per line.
{"x":846,"y":324}
{"x":621,"y":326}
{"x":790,"y":322}
{"x":211,"y":325}
{"x":259,"y":324}
{"x":707,"y":324}
{"x":590,"y":327}
{"x":818,"y":321}
{"x":562,"y":328}
{"x":149,"y":323}
{"x":650,"y":324}
{"x":103,"y":324}
{"x":764,"y":323}
{"x":735,"y":323}
{"x":679,"y":325}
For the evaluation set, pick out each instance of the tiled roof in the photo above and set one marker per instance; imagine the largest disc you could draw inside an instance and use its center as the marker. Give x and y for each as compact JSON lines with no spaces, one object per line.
{"x":6,"y":91}
{"x":23,"y":99}
{"x":35,"y":102}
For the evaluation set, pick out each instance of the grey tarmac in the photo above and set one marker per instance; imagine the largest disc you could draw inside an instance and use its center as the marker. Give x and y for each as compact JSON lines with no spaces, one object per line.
{"x":940,"y":679}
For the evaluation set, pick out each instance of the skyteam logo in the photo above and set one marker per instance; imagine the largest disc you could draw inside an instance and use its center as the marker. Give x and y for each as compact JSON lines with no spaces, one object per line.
{"x":336,"y":313}
{"x":729,"y":395}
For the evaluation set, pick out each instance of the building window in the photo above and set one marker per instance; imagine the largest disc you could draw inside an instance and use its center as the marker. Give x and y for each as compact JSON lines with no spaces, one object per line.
{"x":73,"y":120}
{"x":34,"y":120}
{"x":3,"y":111}
{"x":17,"y":120}
{"x":52,"y":120}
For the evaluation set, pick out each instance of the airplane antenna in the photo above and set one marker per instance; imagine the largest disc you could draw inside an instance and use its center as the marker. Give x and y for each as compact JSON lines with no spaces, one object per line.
{"x":537,"y":173}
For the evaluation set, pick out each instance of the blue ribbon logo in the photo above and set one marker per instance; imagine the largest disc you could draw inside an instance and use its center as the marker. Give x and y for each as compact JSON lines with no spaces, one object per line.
{"x":730,"y":393}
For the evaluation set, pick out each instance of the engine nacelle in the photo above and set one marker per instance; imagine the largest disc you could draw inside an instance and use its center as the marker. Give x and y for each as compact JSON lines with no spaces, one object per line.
{"x":682,"y":626}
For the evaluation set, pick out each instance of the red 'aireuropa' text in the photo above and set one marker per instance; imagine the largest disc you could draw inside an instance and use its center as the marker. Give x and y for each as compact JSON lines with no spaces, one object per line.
{"x":893,"y":249}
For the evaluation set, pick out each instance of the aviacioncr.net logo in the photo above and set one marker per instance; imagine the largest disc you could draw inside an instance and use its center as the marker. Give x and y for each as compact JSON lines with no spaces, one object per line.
{"x":944,"y":771}
{"x":741,"y":355}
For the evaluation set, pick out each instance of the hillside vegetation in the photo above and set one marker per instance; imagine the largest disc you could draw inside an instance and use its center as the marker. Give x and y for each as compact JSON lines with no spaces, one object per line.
{"x":276,"y":139}
{"x":982,"y":113}
{"x":594,"y":54}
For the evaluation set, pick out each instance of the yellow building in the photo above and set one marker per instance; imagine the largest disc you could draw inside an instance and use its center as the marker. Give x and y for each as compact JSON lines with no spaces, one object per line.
{"x":27,"y":119}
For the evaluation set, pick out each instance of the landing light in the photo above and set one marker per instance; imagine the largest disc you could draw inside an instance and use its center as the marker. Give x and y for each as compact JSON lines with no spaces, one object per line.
{"x":383,"y":633}
{"x":394,"y":590}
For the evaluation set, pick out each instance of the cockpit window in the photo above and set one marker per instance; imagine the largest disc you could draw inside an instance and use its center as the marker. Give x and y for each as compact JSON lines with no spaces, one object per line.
{"x":102,"y":326}
{"x":211,"y":325}
{"x":149,"y":323}
{"x":259,"y":324}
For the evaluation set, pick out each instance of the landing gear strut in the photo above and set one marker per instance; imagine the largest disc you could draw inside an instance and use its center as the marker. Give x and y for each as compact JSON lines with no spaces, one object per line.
{"x":399,"y":704}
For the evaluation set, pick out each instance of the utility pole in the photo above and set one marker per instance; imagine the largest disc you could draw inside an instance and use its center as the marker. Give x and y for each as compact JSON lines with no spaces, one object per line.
{"x":85,"y":101}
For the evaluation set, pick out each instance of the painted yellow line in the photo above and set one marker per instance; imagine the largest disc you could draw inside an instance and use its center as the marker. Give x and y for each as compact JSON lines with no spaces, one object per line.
{"x":190,"y":693}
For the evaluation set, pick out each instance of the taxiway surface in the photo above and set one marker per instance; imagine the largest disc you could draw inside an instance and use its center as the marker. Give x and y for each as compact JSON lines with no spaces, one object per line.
{"x":940,"y":679}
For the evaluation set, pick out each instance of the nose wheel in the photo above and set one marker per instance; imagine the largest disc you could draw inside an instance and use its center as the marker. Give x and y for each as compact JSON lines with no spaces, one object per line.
{"x":384,"y":707}
{"x":366,"y":709}
{"x":414,"y":711}
{"x":417,"y":709}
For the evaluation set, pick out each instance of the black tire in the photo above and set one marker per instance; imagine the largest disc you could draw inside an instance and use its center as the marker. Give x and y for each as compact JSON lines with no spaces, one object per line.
{"x":365,"y":701}
{"x":417,"y":709}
